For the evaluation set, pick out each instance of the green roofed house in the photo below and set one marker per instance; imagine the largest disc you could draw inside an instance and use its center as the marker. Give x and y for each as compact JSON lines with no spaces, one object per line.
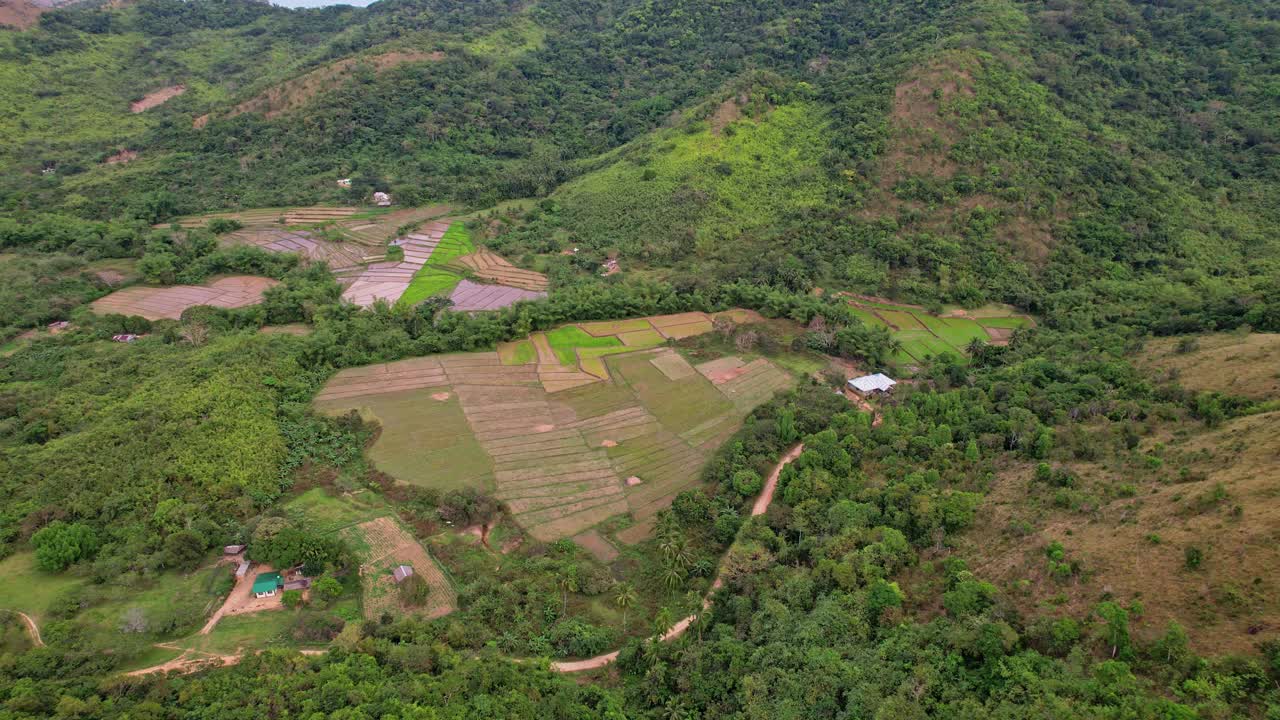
{"x":266,"y":584}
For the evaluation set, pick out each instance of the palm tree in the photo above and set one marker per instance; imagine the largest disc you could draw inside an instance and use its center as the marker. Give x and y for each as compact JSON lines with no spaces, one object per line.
{"x":624,"y":596}
{"x":673,"y":576}
{"x":661,"y":622}
{"x":568,"y":582}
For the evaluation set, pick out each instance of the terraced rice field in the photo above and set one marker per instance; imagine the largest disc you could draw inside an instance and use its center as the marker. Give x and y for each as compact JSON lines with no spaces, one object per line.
{"x":384,"y":544}
{"x":471,"y":296}
{"x":923,"y":335}
{"x":302,"y":242}
{"x":494,"y":268}
{"x":388,"y":280}
{"x":260,"y":217}
{"x":565,"y":445}
{"x":156,"y":303}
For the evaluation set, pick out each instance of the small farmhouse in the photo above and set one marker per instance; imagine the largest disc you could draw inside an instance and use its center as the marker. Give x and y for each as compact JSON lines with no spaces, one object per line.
{"x":266,"y":584}
{"x":401,"y":573}
{"x":381,"y":199}
{"x":872,"y":384}
{"x":232,"y":549}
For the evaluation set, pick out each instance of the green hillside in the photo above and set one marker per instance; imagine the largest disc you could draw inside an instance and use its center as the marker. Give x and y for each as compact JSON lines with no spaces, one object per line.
{"x":1052,"y":222}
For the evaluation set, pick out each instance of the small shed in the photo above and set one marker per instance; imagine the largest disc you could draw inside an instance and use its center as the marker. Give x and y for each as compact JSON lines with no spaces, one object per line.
{"x":872,"y":384}
{"x":298,"y":583}
{"x":59,"y":326}
{"x":381,"y":199}
{"x":344,"y":183}
{"x":266,"y":584}
{"x":243,"y":569}
{"x":401,"y":573}
{"x":124,"y":338}
{"x":232,"y":549}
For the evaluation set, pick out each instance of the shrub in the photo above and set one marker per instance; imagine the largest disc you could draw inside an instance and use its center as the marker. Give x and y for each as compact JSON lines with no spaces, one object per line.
{"x":1193,"y":557}
{"x":60,"y":544}
{"x":291,"y":598}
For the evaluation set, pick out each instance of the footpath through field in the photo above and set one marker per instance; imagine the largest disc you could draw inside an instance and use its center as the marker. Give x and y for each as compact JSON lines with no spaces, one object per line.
{"x":761,"y":506}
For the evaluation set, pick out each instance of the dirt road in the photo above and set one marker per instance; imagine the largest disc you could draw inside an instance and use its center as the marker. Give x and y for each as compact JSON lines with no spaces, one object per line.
{"x":192,"y":661}
{"x":761,"y":505}
{"x":32,"y":629}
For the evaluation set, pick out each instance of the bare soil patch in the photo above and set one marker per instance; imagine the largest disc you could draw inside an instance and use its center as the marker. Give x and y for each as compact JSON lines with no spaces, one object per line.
{"x":594,"y":543}
{"x":726,"y":112}
{"x":124,"y":156}
{"x":20,"y":14}
{"x":156,"y":98}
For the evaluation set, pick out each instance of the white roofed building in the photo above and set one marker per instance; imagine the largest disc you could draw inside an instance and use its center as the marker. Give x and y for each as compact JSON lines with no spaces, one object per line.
{"x":869,"y":384}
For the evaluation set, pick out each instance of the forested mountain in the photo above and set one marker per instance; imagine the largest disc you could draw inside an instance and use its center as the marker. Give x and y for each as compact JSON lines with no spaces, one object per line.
{"x":1079,"y":522}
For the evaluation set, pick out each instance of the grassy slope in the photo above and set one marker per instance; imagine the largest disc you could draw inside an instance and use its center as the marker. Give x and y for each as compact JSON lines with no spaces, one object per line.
{"x":714,"y":187}
{"x":1131,"y":517}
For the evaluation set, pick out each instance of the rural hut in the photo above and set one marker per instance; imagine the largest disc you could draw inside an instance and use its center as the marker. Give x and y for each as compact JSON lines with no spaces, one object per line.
{"x":232,"y":549}
{"x":266,"y":584}
{"x":869,"y":385}
{"x":381,"y":199}
{"x":401,"y":573}
{"x":243,"y":569}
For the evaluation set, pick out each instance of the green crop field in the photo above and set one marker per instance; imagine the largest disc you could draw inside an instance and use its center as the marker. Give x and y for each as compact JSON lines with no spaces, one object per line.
{"x":565,"y":342}
{"x":432,"y":278}
{"x":1005,"y":322}
{"x":424,"y":441}
{"x":680,"y":405}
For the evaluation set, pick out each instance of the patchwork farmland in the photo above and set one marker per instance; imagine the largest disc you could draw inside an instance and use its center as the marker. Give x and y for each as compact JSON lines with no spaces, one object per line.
{"x":569,"y":428}
{"x":923,"y":335}
{"x":156,"y":303}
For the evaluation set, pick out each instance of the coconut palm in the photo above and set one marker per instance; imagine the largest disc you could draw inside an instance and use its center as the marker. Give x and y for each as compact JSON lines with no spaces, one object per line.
{"x":624,"y":596}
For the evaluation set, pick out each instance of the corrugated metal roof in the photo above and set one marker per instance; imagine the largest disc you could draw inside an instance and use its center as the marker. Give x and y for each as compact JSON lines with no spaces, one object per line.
{"x":870,"y":383}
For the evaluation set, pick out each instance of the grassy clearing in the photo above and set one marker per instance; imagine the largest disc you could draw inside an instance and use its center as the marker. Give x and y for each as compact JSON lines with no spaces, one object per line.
{"x":29,"y":589}
{"x":1007,"y":323}
{"x":1246,"y":365}
{"x":565,"y":342}
{"x":324,"y":513}
{"x":238,"y":632}
{"x":424,"y":441}
{"x":190,"y":597}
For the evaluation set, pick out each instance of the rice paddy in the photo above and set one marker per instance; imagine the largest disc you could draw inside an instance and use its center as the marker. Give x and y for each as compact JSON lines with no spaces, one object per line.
{"x":923,"y":335}
{"x":156,"y":303}
{"x":568,"y":428}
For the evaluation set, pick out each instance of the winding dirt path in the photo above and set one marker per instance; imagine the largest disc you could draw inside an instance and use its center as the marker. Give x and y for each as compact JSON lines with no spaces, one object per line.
{"x":32,"y":629}
{"x":192,"y":660}
{"x":759,"y":508}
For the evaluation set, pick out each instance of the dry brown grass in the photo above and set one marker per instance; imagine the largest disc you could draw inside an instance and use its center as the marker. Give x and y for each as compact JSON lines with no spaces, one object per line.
{"x":19,"y":14}
{"x":1246,"y":365}
{"x":1133,"y":548}
{"x":156,"y":98}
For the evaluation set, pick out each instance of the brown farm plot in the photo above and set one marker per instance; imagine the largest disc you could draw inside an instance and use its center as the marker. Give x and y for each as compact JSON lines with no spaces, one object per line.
{"x":564,"y":448}
{"x":155,"y":303}
{"x":384,"y":544}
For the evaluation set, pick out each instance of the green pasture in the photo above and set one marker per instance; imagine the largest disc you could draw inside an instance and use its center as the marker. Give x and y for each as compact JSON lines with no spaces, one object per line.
{"x":1008,"y":323}
{"x":29,"y":589}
